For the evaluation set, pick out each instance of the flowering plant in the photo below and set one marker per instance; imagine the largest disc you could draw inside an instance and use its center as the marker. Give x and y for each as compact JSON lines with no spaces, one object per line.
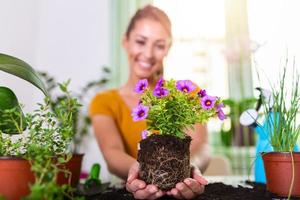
{"x":174,"y":106}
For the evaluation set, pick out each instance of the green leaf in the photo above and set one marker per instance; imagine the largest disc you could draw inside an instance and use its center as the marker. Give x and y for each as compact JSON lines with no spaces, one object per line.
{"x":12,"y":119}
{"x":22,"y":70}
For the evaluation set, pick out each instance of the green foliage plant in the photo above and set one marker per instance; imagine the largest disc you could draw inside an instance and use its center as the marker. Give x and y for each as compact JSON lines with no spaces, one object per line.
{"x":46,"y":141}
{"x":21,"y":69}
{"x":8,"y":99}
{"x":12,"y":120}
{"x":48,"y":148}
{"x":284,"y":127}
{"x":81,"y":120}
{"x":46,"y":145}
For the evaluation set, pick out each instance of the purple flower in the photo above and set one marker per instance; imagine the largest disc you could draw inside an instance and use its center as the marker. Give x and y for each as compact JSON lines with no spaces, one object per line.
{"x":160,"y":83}
{"x":208,"y":102}
{"x":140,"y":112}
{"x":220,"y":112}
{"x":219,"y":107}
{"x":141,"y":86}
{"x":145,"y":134}
{"x":160,"y":92}
{"x":202,"y":93}
{"x":185,"y":86}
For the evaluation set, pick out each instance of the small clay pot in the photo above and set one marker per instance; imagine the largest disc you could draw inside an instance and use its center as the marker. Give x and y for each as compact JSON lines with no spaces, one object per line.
{"x":164,"y":160}
{"x":15,"y":176}
{"x":279,"y":172}
{"x":74,"y":166}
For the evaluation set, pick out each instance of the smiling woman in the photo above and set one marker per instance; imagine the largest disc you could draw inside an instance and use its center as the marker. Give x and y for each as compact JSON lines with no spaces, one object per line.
{"x":146,"y":42}
{"x":146,"y":46}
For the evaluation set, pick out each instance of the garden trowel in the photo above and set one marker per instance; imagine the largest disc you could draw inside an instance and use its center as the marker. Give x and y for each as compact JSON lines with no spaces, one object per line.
{"x":93,"y":185}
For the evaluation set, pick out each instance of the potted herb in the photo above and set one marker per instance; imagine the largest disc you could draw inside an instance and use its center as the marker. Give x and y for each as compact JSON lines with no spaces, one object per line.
{"x":282,"y":166}
{"x":81,"y":120}
{"x":170,"y":109}
{"x":44,"y":145}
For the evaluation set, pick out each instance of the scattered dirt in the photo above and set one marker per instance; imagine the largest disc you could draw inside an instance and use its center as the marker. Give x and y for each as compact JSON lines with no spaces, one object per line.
{"x":213,"y":191}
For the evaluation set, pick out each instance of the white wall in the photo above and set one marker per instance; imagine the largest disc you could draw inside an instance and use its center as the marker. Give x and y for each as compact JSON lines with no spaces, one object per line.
{"x":73,"y":38}
{"x":18,"y":32}
{"x":67,"y":39}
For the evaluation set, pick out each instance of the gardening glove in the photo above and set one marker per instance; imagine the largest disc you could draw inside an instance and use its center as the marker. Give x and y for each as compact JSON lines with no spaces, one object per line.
{"x":139,"y":188}
{"x":190,"y":187}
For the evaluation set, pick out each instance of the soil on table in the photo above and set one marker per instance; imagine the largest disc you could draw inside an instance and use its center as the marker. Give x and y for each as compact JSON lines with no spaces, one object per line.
{"x":213,"y":191}
{"x":164,"y":160}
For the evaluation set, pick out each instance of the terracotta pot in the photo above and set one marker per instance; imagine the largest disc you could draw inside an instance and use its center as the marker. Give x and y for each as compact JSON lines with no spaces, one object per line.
{"x":15,"y":176}
{"x":164,"y":160}
{"x":279,"y":172}
{"x":74,"y":166}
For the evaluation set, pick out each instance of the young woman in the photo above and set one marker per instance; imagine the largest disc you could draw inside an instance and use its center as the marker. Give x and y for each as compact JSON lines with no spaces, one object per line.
{"x":146,"y":42}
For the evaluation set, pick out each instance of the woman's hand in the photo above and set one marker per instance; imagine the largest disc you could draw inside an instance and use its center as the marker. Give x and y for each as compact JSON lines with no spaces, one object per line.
{"x":139,"y":188}
{"x":190,"y":187}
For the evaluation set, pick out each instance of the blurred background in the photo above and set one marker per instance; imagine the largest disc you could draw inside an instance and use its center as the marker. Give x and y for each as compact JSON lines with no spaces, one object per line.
{"x":219,"y":44}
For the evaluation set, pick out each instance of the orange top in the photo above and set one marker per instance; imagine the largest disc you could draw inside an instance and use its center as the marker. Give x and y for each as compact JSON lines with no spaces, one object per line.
{"x":110,"y":103}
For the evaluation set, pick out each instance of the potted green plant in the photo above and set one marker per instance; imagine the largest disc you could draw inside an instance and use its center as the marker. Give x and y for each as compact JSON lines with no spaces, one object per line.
{"x":170,"y":109}
{"x":39,"y":158}
{"x":81,"y":120}
{"x":282,"y":166}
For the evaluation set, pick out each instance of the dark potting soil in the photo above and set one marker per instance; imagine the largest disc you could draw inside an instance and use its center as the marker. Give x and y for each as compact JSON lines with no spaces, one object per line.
{"x":213,"y":191}
{"x":164,"y":160}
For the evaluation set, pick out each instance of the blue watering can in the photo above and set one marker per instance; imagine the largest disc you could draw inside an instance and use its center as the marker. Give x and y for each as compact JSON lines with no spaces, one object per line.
{"x":249,"y":118}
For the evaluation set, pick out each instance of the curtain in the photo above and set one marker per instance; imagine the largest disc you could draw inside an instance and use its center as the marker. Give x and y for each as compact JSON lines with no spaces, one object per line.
{"x":121,"y":12}
{"x":238,"y":50}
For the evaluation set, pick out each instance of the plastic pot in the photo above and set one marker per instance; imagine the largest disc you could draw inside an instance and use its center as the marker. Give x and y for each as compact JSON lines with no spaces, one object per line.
{"x":279,"y":173}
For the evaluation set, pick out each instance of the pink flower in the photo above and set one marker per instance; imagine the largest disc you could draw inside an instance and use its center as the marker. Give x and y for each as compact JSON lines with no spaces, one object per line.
{"x":208,"y":102}
{"x":185,"y":86}
{"x":202,"y":93}
{"x":220,"y":112}
{"x":160,"y":83}
{"x":141,"y":86}
{"x":160,"y":92}
{"x":144,"y":134}
{"x":140,"y":112}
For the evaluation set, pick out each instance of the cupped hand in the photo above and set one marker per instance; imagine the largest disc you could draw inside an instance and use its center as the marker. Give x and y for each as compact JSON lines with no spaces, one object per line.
{"x":190,"y":187}
{"x":139,"y":188}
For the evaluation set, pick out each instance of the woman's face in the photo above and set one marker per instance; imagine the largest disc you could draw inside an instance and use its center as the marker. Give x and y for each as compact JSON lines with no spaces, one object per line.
{"x":147,"y":45}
